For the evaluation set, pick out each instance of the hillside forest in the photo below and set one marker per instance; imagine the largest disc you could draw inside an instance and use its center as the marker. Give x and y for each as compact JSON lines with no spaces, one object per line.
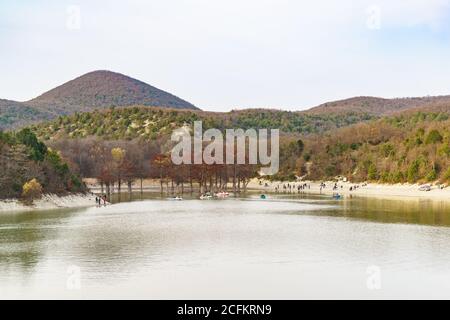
{"x":411,"y":146}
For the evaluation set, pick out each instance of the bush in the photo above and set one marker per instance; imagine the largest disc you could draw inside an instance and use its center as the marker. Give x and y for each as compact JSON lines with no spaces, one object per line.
{"x":387,"y":150}
{"x":445,"y":150}
{"x":398,"y":177}
{"x":372,"y":173}
{"x":57,"y":163}
{"x":432,"y":175}
{"x":413,"y":171}
{"x":447,"y":175}
{"x":32,"y":190}
{"x":433,"y":137}
{"x":38,"y":150}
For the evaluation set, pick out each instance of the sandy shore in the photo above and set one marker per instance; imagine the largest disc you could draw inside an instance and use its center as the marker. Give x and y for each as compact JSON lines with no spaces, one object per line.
{"x":49,"y":201}
{"x":400,"y":191}
{"x":404,"y":191}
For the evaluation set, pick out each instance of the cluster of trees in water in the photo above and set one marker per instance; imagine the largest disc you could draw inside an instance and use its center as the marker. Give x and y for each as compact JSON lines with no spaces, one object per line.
{"x":121,"y":164}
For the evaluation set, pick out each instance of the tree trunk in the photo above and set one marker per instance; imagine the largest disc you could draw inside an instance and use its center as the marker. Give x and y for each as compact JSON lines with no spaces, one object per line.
{"x":108,"y":190}
{"x":130,"y":191}
{"x":245,"y":182}
{"x":234,"y":178}
{"x":161,"y":179}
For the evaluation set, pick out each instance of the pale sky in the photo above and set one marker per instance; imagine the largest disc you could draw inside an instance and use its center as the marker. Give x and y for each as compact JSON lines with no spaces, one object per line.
{"x":221,"y":55}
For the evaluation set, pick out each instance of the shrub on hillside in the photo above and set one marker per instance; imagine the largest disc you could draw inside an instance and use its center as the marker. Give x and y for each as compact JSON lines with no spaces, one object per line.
{"x":31,"y":190}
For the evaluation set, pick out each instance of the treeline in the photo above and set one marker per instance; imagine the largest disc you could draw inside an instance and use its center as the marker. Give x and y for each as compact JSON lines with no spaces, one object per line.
{"x":118,"y":165}
{"x":149,"y":123}
{"x":30,"y":168}
{"x":409,"y":147}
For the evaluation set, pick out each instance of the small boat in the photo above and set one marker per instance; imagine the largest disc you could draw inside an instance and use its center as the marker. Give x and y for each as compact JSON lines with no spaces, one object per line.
{"x":337,"y":196}
{"x":177,"y":198}
{"x":263,"y":196}
{"x":222,"y":194}
{"x":206,"y":196}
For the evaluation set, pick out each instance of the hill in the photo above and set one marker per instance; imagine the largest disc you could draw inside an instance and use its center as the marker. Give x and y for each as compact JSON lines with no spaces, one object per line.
{"x":15,"y":114}
{"x":150,"y":123}
{"x":101,"y":89}
{"x":92,"y":91}
{"x":408,"y":147}
{"x":378,"y":106}
{"x":105,"y":89}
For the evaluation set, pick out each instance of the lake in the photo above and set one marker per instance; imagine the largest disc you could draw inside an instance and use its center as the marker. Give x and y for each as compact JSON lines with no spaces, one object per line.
{"x":283,"y":247}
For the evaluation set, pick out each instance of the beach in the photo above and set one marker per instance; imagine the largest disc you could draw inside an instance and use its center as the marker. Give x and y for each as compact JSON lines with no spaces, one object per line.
{"x":397,"y":191}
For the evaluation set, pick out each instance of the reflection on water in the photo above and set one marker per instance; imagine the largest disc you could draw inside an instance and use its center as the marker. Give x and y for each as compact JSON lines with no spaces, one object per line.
{"x":283,"y":247}
{"x":417,"y":211}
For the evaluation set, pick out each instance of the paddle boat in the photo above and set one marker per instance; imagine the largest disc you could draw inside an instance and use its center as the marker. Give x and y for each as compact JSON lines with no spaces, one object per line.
{"x":177,"y":198}
{"x":206,"y":196}
{"x":222,"y":194}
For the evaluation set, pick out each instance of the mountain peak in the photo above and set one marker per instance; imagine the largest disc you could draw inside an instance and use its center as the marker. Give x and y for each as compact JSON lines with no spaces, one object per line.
{"x":103,"y":89}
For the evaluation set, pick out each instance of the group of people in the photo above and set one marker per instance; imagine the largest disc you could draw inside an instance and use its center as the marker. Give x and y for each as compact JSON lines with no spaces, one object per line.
{"x":336,"y":187}
{"x":101,"y":200}
{"x":353,"y":188}
{"x":292,"y":187}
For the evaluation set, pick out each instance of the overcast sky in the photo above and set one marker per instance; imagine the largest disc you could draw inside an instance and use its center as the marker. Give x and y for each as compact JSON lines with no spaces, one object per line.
{"x":225,"y":54}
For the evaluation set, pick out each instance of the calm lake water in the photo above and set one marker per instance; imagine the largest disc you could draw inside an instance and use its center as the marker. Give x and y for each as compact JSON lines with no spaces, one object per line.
{"x":284,"y":247}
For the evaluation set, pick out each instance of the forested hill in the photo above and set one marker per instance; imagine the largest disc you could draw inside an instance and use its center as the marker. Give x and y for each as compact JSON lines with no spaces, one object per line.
{"x":408,"y":147}
{"x":148,"y":124}
{"x":16,"y":114}
{"x":24,"y":159}
{"x":379,"y":106}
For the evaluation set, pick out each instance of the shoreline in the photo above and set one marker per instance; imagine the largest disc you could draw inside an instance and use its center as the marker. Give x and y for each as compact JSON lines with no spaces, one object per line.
{"x":48,"y":202}
{"x":390,"y":191}
{"x":375,"y":190}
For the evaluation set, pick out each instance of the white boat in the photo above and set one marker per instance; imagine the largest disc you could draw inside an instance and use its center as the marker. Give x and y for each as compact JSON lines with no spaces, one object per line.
{"x":206,"y":196}
{"x":177,"y":198}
